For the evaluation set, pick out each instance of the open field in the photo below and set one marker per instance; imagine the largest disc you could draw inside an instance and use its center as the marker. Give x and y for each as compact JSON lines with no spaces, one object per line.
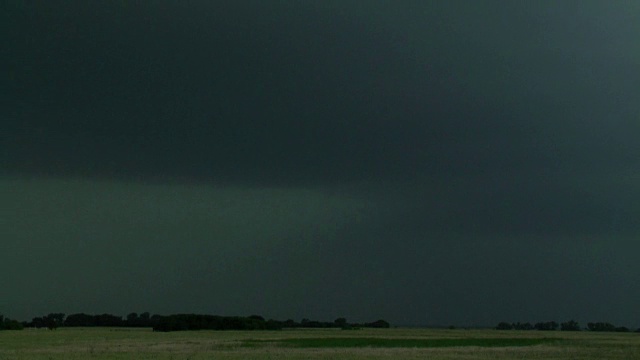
{"x":122,"y":343}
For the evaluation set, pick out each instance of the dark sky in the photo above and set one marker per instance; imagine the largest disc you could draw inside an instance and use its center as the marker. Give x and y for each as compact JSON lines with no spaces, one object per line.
{"x":425,"y":162}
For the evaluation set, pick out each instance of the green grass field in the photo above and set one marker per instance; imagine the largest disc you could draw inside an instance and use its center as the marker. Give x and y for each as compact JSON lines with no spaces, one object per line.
{"x":119,"y":343}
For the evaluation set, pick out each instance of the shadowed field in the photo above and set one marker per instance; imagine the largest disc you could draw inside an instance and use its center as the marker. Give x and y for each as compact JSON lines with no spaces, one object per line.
{"x":117,"y":343}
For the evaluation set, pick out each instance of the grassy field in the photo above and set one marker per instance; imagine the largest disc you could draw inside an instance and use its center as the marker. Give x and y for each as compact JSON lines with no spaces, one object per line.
{"x":118,"y":343}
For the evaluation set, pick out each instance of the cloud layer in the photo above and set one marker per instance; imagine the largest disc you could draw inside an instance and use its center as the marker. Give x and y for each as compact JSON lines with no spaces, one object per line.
{"x":428,"y":162}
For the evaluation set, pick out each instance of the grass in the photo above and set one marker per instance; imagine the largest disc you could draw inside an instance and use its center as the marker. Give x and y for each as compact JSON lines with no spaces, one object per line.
{"x":126,"y":344}
{"x":358,"y":342}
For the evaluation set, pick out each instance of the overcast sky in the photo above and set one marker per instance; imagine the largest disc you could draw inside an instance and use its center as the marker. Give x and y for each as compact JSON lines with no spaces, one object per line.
{"x":425,"y":162}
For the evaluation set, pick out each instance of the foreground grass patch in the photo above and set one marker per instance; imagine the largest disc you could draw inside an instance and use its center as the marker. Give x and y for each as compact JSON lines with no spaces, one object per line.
{"x":316,"y":344}
{"x":344,"y":342}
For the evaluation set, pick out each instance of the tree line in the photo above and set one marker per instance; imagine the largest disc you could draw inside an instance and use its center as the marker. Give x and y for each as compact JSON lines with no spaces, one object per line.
{"x":9,"y":324}
{"x":177,"y":322}
{"x":56,"y":320}
{"x":570,"y":325}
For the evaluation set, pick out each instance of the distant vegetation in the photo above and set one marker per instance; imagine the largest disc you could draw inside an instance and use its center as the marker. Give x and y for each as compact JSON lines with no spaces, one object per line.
{"x":179,"y":322}
{"x":603,"y":326}
{"x":8,"y":324}
{"x":255,"y":322}
{"x":570,"y":325}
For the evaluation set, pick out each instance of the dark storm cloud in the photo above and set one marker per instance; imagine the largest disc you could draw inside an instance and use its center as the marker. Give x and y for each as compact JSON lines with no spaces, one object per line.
{"x":294,"y":93}
{"x":205,"y":91}
{"x":421,"y":156}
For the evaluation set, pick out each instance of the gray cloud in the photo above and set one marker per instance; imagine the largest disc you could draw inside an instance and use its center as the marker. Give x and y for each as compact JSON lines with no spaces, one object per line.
{"x":400,"y":160}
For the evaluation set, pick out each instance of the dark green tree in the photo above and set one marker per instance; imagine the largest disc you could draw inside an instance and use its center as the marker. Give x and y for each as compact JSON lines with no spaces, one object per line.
{"x":256,"y":317}
{"x":379,"y":324}
{"x":601,"y":326}
{"x":133,"y":319}
{"x":546,"y":326}
{"x":290,"y":323}
{"x":80,"y":320}
{"x":341,"y":322}
{"x":108,"y":320}
{"x":274,"y":324}
{"x":54,"y":320}
{"x":522,"y":326}
{"x":570,"y":325}
{"x":9,"y":324}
